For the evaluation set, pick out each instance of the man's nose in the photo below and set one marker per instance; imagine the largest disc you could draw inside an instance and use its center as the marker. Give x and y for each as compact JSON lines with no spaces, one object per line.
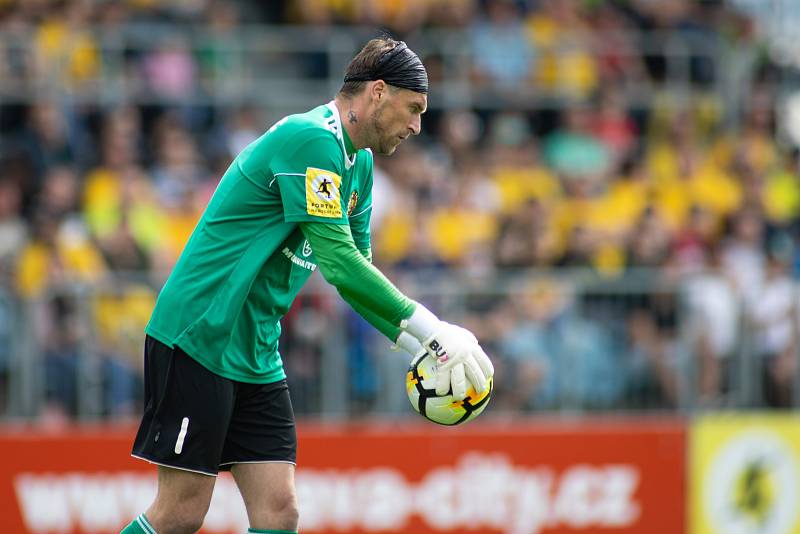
{"x":415,"y":125}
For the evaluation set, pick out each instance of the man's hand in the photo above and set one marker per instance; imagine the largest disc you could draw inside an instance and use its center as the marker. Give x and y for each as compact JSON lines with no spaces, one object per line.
{"x":460,"y":359}
{"x":459,"y":356}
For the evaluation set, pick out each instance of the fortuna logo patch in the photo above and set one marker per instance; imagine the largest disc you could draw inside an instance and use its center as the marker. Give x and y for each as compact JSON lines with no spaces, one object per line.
{"x":352,"y":204}
{"x":322,"y":193}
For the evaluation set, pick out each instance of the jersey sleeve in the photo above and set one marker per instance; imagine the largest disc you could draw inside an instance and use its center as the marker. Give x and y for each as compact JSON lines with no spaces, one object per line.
{"x":383,"y":326}
{"x":361,"y":213}
{"x":309,"y":175}
{"x":358,"y":281}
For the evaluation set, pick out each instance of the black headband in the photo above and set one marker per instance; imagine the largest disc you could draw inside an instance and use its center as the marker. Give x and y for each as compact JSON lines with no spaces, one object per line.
{"x":399,"y":67}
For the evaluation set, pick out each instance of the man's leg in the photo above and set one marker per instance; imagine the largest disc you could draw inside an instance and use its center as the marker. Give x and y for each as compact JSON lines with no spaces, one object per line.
{"x":183,"y":430}
{"x":269,"y":496}
{"x":180,"y":505}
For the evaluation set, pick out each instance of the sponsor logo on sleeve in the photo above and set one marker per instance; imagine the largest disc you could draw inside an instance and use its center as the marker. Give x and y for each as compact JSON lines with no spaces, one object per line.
{"x":322,"y":193}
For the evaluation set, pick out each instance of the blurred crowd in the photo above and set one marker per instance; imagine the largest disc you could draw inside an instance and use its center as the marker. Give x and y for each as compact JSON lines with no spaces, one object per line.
{"x":699,"y":196}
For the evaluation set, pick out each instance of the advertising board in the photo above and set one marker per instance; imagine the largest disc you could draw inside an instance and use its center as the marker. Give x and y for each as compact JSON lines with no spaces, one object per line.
{"x":528,"y":478}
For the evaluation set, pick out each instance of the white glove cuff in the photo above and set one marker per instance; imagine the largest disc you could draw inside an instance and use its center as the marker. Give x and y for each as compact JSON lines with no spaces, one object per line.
{"x":422,"y":324}
{"x":408,"y":343}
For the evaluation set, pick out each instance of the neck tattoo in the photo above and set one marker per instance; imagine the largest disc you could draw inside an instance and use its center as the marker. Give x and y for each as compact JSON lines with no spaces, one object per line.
{"x":351,"y":116}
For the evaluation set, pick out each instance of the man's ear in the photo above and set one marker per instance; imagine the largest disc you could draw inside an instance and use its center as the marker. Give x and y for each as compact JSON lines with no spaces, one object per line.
{"x":378,"y":90}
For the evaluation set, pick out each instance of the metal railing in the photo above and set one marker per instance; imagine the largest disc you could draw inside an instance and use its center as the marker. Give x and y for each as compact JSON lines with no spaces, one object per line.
{"x":289,"y":67}
{"x":562,"y":341}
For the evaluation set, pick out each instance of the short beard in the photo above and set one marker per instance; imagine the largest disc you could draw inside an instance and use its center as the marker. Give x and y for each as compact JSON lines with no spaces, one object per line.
{"x":378,"y":134}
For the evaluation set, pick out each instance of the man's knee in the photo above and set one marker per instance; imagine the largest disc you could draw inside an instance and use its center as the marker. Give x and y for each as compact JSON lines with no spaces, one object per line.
{"x":285,"y":506}
{"x":177,"y":519}
{"x":181,"y":503}
{"x":279,"y":510}
{"x":269,"y":494}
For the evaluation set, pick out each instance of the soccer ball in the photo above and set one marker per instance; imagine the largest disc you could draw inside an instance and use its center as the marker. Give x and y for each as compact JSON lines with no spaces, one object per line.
{"x":421,"y":388}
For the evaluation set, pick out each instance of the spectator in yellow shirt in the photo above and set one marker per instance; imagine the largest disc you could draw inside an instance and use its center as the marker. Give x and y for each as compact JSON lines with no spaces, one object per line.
{"x":66,"y":54}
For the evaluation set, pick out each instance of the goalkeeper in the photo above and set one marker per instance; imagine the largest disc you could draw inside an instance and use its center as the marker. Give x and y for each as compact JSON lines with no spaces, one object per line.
{"x":296,"y":199}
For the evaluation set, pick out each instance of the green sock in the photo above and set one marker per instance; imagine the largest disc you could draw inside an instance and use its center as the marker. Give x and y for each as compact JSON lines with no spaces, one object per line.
{"x":257,"y":531}
{"x":140,"y":525}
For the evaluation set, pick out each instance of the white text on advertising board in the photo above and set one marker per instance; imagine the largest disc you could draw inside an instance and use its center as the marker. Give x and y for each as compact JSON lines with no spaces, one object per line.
{"x":481,"y":491}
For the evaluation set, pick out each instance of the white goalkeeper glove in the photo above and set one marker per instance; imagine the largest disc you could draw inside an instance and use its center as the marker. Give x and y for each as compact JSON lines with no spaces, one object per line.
{"x":476,"y":367}
{"x":458,"y":354}
{"x":456,"y":367}
{"x":408,"y":343}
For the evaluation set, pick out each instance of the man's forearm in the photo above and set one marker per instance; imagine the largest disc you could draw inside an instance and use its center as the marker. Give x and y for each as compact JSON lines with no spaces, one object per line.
{"x":359,"y":282}
{"x":383,"y":326}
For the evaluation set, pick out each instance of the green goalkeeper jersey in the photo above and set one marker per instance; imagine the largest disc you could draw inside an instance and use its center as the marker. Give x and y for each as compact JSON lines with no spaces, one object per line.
{"x":247,"y":258}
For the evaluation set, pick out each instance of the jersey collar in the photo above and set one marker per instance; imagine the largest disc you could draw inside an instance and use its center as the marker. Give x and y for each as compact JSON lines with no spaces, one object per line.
{"x":348,"y":144}
{"x":344,"y":139}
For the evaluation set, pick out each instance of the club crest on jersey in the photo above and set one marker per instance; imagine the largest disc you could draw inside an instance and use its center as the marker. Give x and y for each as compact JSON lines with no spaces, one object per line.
{"x":352,"y":204}
{"x":322,"y":193}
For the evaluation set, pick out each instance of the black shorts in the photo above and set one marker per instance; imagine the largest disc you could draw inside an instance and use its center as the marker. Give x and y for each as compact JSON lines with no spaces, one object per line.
{"x":199,"y":421}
